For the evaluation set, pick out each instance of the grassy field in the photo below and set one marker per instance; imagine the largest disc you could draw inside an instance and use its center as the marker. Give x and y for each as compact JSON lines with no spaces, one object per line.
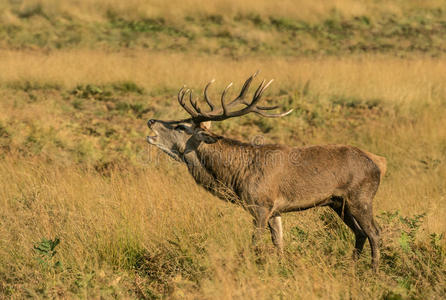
{"x":89,"y":210}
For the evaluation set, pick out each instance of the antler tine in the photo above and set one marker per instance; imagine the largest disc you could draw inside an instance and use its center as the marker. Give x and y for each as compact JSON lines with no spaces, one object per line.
{"x":223,"y":104}
{"x":181,"y":95}
{"x":259,"y":109}
{"x":208,"y":101}
{"x":194,"y":103}
{"x":258,"y":93}
{"x":267,"y":107}
{"x":251,"y":107}
{"x":244,"y":89}
{"x":262,"y":87}
{"x":267,"y":85}
{"x":260,"y":112}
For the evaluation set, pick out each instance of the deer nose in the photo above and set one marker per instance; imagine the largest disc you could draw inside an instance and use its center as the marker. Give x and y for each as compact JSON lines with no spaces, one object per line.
{"x":151,"y":122}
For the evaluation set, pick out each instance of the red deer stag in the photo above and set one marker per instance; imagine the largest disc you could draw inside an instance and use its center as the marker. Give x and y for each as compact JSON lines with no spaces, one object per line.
{"x":268,"y":180}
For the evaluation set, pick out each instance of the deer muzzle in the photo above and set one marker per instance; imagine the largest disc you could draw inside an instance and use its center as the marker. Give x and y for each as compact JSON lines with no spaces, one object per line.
{"x":151,"y":139}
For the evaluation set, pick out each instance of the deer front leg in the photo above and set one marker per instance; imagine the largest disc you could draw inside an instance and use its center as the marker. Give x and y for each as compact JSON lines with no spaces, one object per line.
{"x":275,"y":227}
{"x":261,"y":216}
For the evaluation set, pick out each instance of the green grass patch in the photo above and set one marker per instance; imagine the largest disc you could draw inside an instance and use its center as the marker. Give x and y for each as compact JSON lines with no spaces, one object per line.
{"x":214,"y":33}
{"x":127,"y":87}
{"x":146,"y":26}
{"x":29,"y":86}
{"x":355,"y":102}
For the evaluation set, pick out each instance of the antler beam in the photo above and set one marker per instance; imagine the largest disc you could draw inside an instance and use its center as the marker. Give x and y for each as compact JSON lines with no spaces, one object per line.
{"x":224,"y":112}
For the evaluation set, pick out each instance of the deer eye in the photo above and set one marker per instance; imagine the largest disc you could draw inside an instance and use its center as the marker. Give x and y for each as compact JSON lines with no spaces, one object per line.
{"x":180,"y":127}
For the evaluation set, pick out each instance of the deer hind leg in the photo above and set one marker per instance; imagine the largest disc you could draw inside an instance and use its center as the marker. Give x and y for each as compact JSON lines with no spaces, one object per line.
{"x":360,"y":205}
{"x":343,"y":211}
{"x":275,"y":227}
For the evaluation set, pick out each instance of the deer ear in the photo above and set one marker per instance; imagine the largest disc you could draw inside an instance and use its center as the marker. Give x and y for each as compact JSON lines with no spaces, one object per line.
{"x":206,"y":137}
{"x":205,"y":125}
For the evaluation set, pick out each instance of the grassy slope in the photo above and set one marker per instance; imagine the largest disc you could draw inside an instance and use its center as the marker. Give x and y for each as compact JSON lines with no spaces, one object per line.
{"x":334,"y":29}
{"x":131,"y":223}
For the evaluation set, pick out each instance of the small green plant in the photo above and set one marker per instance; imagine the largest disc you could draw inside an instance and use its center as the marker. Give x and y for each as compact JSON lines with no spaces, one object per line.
{"x":34,"y":143}
{"x":77,"y":104}
{"x":216,"y":19}
{"x":299,"y":234}
{"x":285,"y":24}
{"x":147,"y":26}
{"x":29,"y":11}
{"x":406,"y":257}
{"x":90,"y":91}
{"x":408,"y":227}
{"x":128,"y":87}
{"x":45,"y":250}
{"x":355,"y":102}
{"x":137,"y":109}
{"x":5,"y":137}
{"x":30,"y":85}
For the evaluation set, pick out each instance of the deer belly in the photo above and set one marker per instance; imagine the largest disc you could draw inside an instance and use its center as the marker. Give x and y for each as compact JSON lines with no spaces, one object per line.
{"x":306,"y":197}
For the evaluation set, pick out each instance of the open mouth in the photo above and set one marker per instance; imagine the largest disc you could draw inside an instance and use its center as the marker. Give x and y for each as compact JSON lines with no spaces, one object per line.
{"x":151,"y":139}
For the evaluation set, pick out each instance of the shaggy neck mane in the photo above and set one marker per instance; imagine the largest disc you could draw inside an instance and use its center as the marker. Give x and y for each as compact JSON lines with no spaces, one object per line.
{"x":226,"y":165}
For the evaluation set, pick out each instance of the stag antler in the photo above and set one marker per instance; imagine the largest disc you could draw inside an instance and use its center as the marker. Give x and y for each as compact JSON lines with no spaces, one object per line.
{"x":222,"y":114}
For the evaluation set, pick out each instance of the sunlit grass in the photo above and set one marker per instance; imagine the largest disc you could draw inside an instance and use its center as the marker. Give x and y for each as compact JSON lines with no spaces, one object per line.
{"x":390,"y":79}
{"x":75,"y":167}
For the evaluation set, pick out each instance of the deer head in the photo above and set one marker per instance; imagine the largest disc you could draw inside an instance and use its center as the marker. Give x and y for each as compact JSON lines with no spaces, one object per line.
{"x":176,"y":138}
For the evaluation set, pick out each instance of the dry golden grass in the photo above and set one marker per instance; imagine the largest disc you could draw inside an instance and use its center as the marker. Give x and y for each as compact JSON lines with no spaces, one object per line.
{"x":409,"y":85}
{"x":74,"y":163}
{"x":391,"y":79}
{"x":159,"y":222}
{"x":145,"y":229}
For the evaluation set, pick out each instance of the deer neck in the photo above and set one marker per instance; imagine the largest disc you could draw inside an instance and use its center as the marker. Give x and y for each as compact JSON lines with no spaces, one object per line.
{"x":221,"y":166}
